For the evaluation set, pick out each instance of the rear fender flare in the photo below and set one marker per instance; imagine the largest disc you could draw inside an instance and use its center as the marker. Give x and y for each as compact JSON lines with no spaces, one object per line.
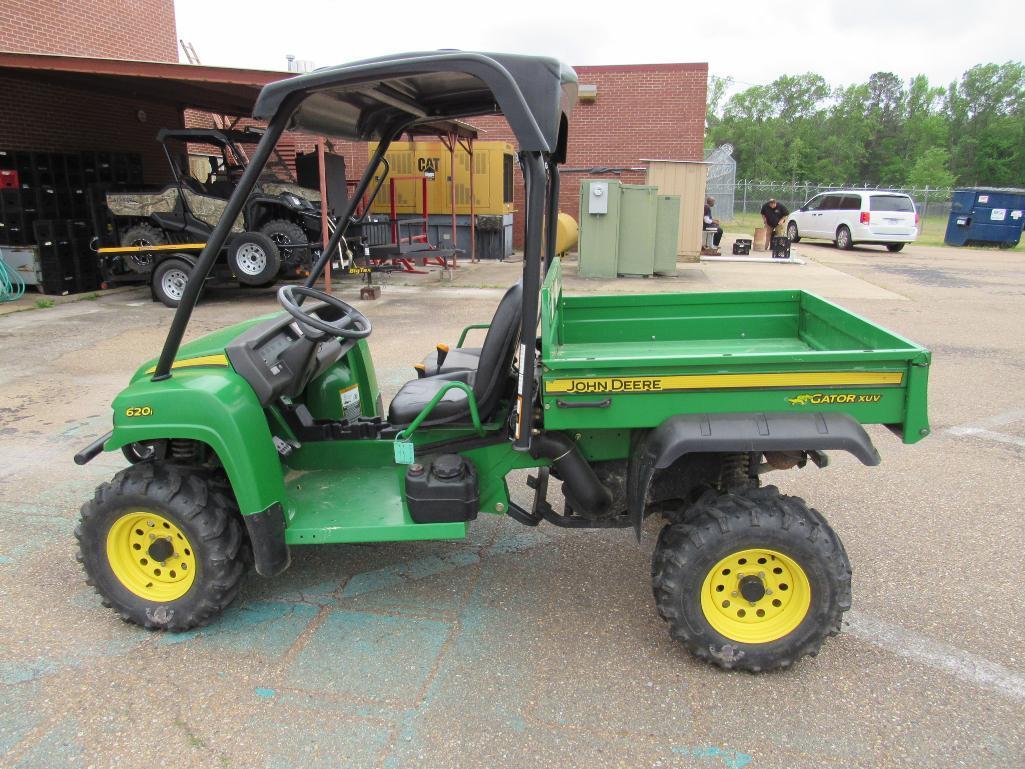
{"x":731,"y":433}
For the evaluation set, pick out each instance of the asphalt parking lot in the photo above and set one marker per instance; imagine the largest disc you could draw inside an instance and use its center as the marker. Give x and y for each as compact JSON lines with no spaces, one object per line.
{"x":533,"y":647}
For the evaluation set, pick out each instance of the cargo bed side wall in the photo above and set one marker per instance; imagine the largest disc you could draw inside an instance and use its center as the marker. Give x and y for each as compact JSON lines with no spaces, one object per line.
{"x":639,"y":318}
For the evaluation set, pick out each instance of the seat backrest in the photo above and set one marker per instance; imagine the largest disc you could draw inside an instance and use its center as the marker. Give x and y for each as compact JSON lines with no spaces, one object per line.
{"x":497,"y":353}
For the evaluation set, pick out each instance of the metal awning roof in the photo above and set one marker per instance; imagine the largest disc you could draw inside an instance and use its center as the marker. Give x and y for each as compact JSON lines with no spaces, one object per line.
{"x":224,"y":90}
{"x":215,"y":89}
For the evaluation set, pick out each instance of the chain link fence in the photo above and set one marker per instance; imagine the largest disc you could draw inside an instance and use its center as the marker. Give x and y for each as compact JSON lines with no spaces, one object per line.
{"x":748,"y":196}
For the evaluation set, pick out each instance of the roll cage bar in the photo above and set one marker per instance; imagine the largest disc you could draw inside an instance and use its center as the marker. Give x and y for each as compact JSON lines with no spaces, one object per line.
{"x":382,"y":99}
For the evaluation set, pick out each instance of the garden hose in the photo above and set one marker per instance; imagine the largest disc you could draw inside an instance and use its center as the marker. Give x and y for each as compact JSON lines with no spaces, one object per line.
{"x":12,"y":286}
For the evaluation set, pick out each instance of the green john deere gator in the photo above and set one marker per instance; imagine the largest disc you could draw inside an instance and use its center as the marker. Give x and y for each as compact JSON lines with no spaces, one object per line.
{"x":272,"y":433}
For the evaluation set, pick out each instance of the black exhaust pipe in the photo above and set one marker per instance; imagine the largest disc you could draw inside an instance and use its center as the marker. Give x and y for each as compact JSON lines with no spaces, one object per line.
{"x":584,"y":493}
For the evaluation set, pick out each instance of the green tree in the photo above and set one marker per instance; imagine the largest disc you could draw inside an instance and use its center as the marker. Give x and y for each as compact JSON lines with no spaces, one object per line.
{"x":932,"y":169}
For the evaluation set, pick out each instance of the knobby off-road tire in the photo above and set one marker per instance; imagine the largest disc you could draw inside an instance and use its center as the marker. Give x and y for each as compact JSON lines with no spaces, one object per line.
{"x":716,"y":557}
{"x":128,"y":531}
{"x":285,"y":235}
{"x":143,"y":235}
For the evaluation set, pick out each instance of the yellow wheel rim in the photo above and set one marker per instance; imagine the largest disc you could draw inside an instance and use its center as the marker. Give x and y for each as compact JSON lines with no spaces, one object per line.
{"x":755,"y":596}
{"x":151,"y":556}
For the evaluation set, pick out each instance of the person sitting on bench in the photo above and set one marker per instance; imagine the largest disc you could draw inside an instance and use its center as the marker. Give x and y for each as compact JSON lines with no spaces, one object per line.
{"x":710,"y":223}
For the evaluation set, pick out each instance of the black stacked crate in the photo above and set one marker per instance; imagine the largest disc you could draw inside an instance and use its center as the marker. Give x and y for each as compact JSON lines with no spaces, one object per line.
{"x":52,"y":208}
{"x":56,"y":256}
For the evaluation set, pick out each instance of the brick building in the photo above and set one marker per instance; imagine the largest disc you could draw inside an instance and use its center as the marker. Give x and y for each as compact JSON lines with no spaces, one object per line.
{"x":58,"y":104}
{"x":641,"y":111}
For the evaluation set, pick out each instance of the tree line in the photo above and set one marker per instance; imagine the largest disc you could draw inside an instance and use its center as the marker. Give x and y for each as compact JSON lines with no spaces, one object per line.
{"x":884,"y":131}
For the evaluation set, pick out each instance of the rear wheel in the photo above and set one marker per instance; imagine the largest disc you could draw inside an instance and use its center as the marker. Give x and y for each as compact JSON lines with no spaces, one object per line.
{"x":142,"y":235}
{"x":894,"y":247}
{"x":163,"y":546}
{"x":792,"y":233}
{"x":752,"y":580}
{"x":843,"y":238}
{"x":169,"y":280}
{"x":254,"y":259}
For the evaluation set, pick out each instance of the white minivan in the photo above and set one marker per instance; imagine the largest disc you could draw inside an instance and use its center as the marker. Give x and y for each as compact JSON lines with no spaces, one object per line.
{"x":848,"y":217}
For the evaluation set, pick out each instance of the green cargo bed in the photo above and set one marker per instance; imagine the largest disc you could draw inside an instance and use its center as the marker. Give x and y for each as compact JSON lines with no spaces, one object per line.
{"x":633,"y":360}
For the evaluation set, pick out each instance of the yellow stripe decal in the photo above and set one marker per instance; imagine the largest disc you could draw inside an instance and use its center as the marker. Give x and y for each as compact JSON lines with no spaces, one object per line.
{"x":147,"y":249}
{"x":202,"y":360}
{"x":644,"y":384}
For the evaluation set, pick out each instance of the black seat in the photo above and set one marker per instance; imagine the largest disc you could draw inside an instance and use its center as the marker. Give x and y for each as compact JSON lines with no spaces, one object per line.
{"x":487,"y":381}
{"x":466,"y":358}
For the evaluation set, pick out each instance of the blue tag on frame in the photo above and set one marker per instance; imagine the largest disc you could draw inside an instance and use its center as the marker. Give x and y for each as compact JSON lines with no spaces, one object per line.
{"x":403,"y":452}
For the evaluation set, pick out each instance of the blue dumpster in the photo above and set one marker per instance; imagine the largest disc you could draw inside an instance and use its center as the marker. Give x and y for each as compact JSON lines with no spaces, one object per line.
{"x":990,"y":216}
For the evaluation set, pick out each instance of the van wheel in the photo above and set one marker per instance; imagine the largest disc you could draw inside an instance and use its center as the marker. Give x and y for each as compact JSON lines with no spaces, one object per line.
{"x":792,"y":233}
{"x":169,"y":280}
{"x":254,"y":259}
{"x":894,"y":247}
{"x":843,"y":238}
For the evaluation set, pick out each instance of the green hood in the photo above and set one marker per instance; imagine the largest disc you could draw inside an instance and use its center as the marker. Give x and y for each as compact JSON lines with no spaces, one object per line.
{"x":211,"y":344}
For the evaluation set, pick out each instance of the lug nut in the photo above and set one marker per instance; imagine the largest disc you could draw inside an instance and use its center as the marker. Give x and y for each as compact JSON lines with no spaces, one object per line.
{"x":734,"y":594}
{"x":768,"y":591}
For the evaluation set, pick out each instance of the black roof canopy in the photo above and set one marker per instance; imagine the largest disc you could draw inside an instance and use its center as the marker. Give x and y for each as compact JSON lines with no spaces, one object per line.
{"x":370,"y":100}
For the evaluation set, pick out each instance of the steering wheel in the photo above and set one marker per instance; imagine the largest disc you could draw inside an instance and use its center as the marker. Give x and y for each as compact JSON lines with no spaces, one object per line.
{"x":340,"y":328}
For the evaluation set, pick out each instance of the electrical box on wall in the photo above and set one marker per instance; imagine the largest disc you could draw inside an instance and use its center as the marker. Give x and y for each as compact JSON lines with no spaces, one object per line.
{"x":598,"y":198}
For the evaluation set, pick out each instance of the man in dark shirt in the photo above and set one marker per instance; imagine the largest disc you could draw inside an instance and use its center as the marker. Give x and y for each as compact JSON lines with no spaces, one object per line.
{"x":710,"y":223}
{"x":775,"y":216}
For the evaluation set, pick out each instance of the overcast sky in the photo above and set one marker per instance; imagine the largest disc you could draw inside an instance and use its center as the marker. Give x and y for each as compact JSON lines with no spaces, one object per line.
{"x":752,"y":42}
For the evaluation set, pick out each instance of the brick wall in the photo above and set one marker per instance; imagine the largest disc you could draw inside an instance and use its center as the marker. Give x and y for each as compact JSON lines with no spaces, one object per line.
{"x":642,"y":111}
{"x":117,"y":29}
{"x":53,"y":118}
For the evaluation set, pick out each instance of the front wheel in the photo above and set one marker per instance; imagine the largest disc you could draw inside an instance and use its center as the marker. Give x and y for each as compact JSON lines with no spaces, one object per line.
{"x":843,"y":238}
{"x":894,"y":247}
{"x":163,"y":546}
{"x":288,"y":237}
{"x":752,"y":580}
{"x":169,"y":280}
{"x":792,"y":233}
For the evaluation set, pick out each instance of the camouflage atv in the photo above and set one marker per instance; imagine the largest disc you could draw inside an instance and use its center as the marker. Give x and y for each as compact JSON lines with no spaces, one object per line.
{"x":159,"y":231}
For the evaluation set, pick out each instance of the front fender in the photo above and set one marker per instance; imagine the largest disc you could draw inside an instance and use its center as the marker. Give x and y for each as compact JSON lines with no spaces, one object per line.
{"x":213,"y":405}
{"x":731,"y":433}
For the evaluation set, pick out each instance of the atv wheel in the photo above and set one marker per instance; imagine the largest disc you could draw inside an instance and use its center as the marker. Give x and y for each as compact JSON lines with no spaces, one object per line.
{"x":753,"y":580}
{"x":143,"y":235}
{"x":169,"y":280}
{"x":284,"y":234}
{"x":254,"y":259}
{"x":792,"y":233}
{"x":162,"y":545}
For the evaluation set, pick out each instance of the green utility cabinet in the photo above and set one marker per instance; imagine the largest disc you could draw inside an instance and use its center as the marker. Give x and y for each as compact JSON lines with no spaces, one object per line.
{"x":637,"y":216}
{"x":667,"y":233}
{"x":599,"y":228}
{"x":626,"y":229}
